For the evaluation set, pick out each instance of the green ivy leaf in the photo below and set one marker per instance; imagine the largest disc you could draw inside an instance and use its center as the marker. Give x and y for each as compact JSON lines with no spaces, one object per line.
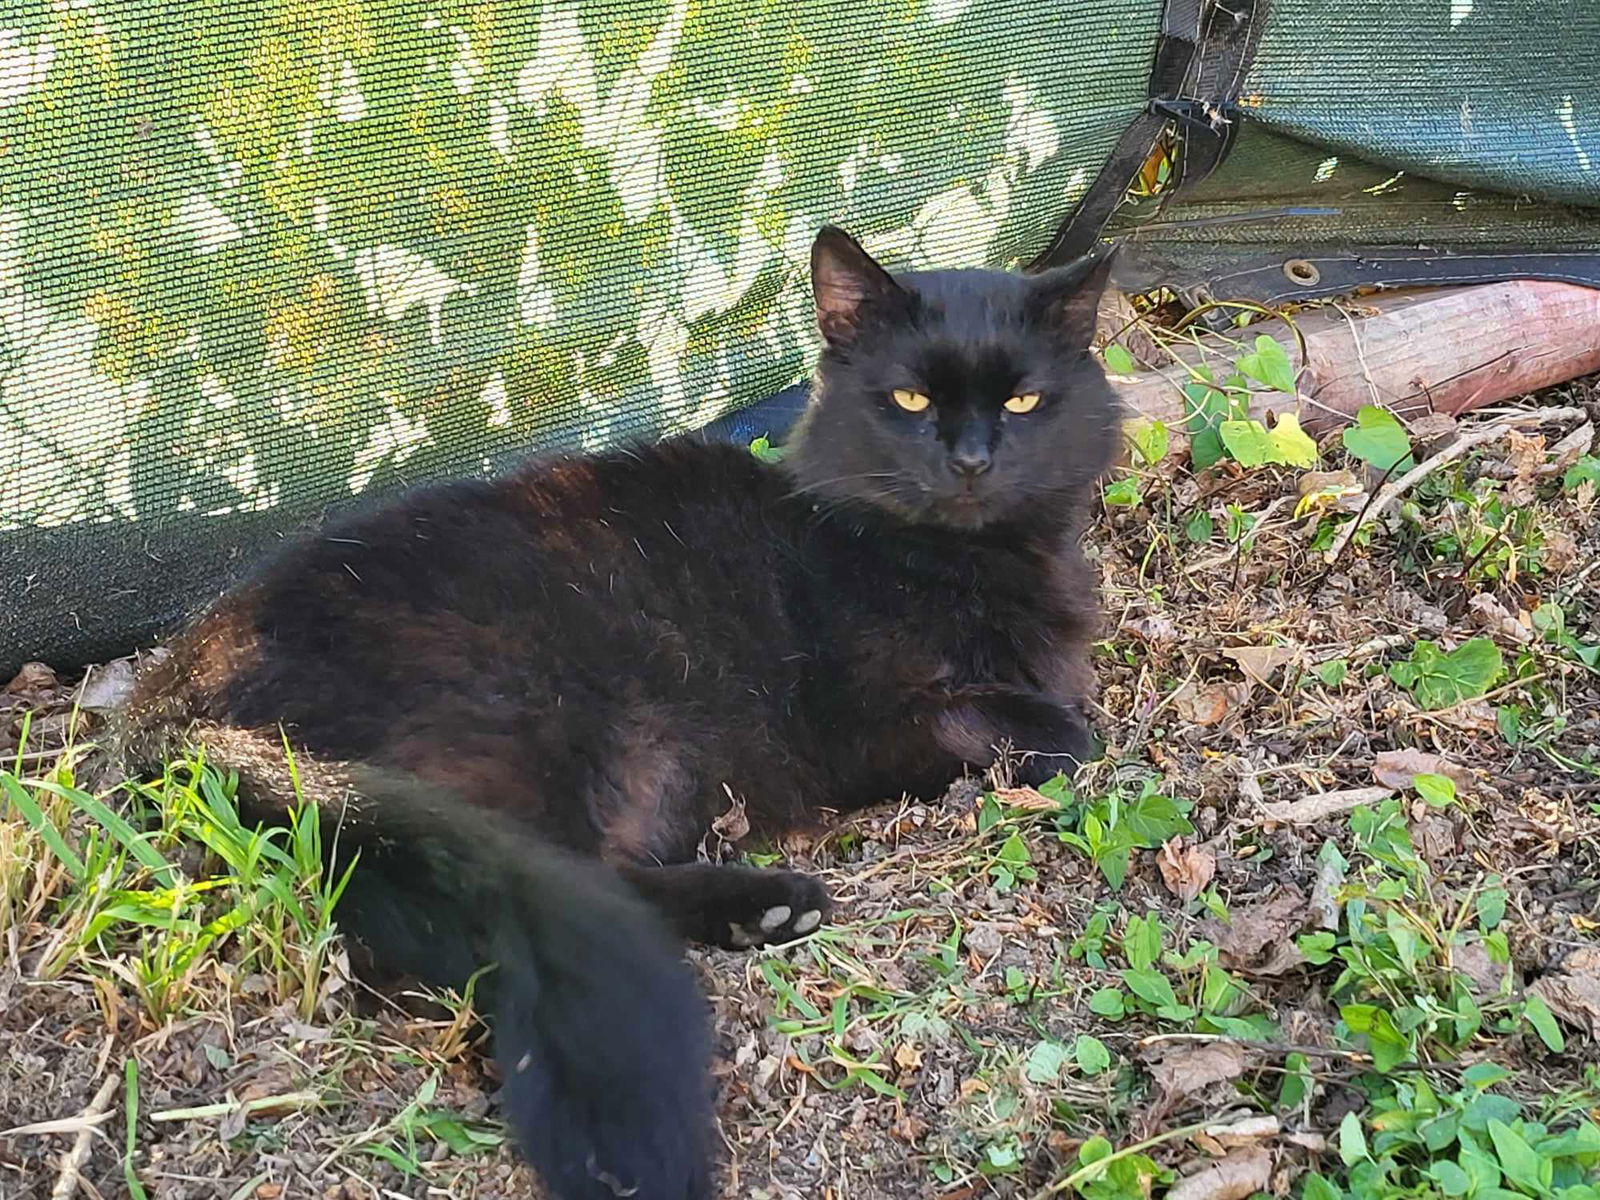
{"x":1452,"y":1180}
{"x":1252,"y":444}
{"x":1522,"y":1164}
{"x":1151,"y":986}
{"x":1110,"y":1003}
{"x":1292,"y":445}
{"x":1118,"y":360}
{"x":1093,"y":1151}
{"x":1485,"y":1075}
{"x":1247,"y":441}
{"x":1388,"y":1045}
{"x":1585,"y":470}
{"x":1045,"y":1062}
{"x":1206,"y":449}
{"x":1544,"y":1023}
{"x":1123,"y":491}
{"x":1437,"y":790}
{"x":1316,"y":947}
{"x":1207,"y":407}
{"x":1438,"y":680}
{"x":1091,"y":1053}
{"x":1141,"y":941}
{"x":1491,"y":907}
{"x":1352,"y":1141}
{"x":1297,"y":1084}
{"x":1379,"y":440}
{"x":1151,"y":440}
{"x":1333,"y":672}
{"x":765,"y":451}
{"x":1269,"y":365}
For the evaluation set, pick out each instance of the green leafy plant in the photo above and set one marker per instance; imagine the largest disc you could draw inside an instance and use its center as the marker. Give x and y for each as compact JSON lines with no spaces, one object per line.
{"x":1585,"y":470}
{"x":1438,"y":679}
{"x":1378,"y":439}
{"x":268,"y":895}
{"x":763,"y":449}
{"x":1469,"y":1143}
{"x":1219,"y":423}
{"x":1118,"y":361}
{"x":1110,"y":828}
{"x":1252,"y":444}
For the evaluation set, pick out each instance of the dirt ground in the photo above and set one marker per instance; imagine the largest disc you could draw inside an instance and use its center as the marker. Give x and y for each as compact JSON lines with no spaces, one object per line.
{"x":930,"y":1042}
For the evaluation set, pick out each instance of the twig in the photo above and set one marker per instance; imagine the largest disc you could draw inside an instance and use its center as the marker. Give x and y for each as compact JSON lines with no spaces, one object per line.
{"x":1377,"y":645}
{"x":1475,"y":437}
{"x":225,"y":1108}
{"x":72,"y":1162}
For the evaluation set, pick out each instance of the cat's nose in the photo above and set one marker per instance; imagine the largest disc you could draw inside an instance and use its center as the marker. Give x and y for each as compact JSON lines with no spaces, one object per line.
{"x":969,"y":461}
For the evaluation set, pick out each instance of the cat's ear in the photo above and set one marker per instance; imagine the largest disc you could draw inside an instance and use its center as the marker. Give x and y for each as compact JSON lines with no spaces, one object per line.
{"x":850,"y":289}
{"x":1065,"y":300}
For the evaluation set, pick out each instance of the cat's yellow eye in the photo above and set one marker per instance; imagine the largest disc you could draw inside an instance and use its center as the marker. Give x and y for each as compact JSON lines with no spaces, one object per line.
{"x":1024,"y":403}
{"x":911,"y":401}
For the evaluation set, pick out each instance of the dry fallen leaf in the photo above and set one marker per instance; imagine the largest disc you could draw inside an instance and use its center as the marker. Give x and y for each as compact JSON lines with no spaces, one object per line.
{"x":33,"y":677}
{"x":1436,"y":837}
{"x":1474,"y":716}
{"x":1324,"y":903}
{"x":106,"y":688}
{"x":1246,"y":1131}
{"x":1494,"y":618}
{"x":1211,"y":703}
{"x":1242,"y":1173}
{"x":1185,"y":869}
{"x":1397,"y":768}
{"x":1185,"y":1068}
{"x":1321,"y":491}
{"x":1525,"y":454}
{"x":1259,"y":937}
{"x":732,"y":825}
{"x":1484,"y":974}
{"x":1155,"y":629}
{"x":1573,"y":991}
{"x":1259,"y":662}
{"x":1308,"y":810}
{"x":1027,"y":799}
{"x":1559,"y":551}
{"x":1570,"y":449}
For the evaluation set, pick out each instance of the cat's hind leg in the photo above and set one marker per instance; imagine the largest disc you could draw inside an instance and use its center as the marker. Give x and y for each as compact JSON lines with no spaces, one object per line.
{"x":733,"y":906}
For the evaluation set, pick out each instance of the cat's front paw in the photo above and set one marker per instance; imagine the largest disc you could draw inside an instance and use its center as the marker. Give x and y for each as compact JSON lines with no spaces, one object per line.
{"x":773,"y":907}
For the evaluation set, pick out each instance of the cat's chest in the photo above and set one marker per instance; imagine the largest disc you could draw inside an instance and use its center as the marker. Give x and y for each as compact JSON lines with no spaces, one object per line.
{"x":957,"y":616}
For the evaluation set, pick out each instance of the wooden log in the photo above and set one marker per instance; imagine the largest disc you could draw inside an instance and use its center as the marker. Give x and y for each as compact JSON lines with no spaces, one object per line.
{"x":1414,"y":353}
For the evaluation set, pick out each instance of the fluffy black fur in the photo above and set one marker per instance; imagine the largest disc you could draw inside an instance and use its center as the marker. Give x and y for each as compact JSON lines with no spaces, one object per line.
{"x":599,"y":651}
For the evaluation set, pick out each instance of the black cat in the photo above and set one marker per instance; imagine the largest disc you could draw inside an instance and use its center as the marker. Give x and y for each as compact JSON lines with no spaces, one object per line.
{"x":500,"y":686}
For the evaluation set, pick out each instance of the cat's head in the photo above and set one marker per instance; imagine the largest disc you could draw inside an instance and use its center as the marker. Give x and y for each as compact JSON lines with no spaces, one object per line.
{"x":954,"y":398}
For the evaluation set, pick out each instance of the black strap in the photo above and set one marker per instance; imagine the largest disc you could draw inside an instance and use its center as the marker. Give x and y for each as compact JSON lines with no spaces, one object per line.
{"x":1319,"y":271}
{"x":1196,"y":75}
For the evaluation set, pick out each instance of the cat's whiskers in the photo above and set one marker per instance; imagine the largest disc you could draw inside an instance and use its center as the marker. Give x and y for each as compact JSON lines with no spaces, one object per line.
{"x":810,"y":487}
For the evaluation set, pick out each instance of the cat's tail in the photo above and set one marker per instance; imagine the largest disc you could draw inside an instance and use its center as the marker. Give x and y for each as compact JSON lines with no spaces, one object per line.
{"x":600,"y":1032}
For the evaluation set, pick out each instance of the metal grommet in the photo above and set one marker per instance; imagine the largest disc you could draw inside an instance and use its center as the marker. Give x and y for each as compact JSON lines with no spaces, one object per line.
{"x":1302,"y":272}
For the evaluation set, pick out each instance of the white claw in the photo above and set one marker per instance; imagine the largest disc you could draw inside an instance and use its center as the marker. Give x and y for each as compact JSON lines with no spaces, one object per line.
{"x":774,"y":917}
{"x":808,"y":921}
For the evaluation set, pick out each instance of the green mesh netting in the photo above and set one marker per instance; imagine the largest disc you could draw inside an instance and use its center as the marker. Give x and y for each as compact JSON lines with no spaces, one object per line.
{"x":1274,"y":192}
{"x":1485,"y":93}
{"x":257,"y":259}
